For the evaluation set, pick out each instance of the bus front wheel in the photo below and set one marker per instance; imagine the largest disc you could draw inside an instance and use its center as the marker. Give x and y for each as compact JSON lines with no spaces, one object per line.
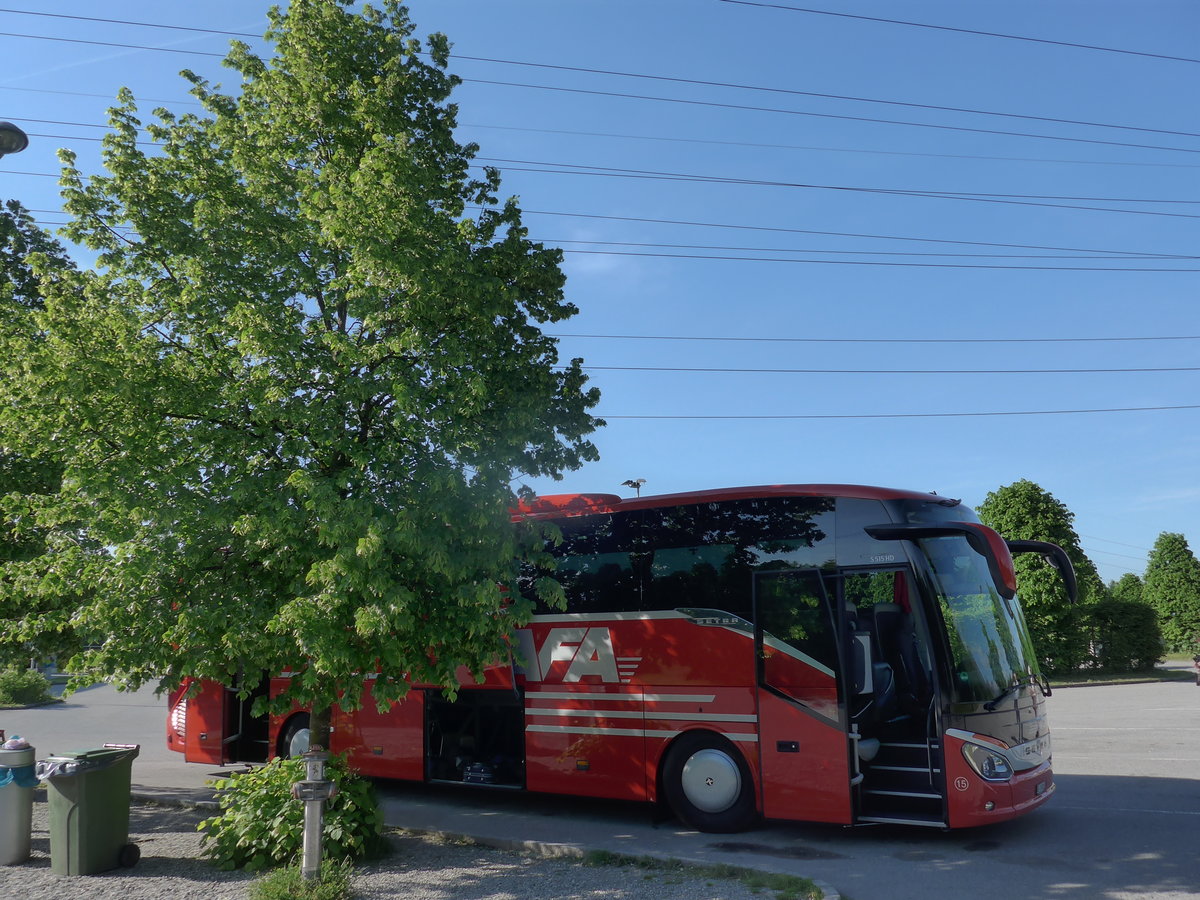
{"x":708,"y":784}
{"x":294,"y":736}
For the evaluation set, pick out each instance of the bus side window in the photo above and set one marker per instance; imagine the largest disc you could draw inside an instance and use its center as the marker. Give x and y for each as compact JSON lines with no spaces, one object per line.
{"x":797,"y":640}
{"x":598,"y":564}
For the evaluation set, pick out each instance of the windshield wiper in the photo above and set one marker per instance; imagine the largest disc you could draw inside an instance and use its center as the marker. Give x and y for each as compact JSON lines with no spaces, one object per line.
{"x":1008,"y":692}
{"x":1043,"y":684}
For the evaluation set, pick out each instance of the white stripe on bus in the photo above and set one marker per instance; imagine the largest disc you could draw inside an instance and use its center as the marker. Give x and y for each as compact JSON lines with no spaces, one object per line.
{"x":627,"y":696}
{"x":634,"y":714}
{"x":629,"y":732}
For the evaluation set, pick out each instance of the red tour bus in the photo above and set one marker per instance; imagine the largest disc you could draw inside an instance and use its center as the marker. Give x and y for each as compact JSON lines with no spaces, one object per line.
{"x":824,"y":653}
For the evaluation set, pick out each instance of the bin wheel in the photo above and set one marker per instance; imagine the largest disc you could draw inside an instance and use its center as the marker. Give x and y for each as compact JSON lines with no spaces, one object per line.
{"x":129,"y":856}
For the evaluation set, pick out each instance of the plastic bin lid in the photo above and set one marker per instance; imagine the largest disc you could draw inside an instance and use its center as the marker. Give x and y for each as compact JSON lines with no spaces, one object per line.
{"x":107,"y":753}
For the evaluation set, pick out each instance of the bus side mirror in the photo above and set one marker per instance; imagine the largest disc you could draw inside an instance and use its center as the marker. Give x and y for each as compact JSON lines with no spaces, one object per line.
{"x":983,"y":540}
{"x":1056,"y":556}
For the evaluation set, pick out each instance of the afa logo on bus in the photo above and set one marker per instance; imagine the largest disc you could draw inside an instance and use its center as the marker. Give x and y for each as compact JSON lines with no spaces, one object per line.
{"x":573,"y":654}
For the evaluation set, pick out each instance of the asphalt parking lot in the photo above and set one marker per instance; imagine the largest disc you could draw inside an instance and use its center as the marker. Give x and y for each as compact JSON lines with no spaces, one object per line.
{"x":1126,"y":757}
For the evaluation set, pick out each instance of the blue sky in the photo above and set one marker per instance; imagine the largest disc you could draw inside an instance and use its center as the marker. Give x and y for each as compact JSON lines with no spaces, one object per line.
{"x":724,"y":205}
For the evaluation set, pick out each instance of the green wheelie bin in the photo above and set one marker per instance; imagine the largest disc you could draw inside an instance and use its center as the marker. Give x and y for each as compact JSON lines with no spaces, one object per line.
{"x":88,"y":793}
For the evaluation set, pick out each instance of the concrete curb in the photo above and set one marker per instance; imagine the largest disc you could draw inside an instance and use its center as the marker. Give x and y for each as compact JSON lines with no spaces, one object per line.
{"x":546,"y":849}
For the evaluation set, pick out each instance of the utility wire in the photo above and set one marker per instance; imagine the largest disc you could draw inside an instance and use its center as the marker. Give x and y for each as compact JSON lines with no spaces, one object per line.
{"x":957,"y":415}
{"x":1118,"y":543}
{"x":589,"y":169}
{"x":756,"y":371}
{"x":512,"y":165}
{"x":678,"y":100}
{"x":683,"y":140}
{"x":824,"y":96}
{"x":993,"y":34}
{"x":667,"y":78}
{"x":65,"y":40}
{"x":883,"y":237}
{"x":556,"y":242}
{"x":823,"y":149}
{"x":859,"y":340}
{"x":49,"y":15}
{"x":851,"y":262}
{"x":795,"y":112}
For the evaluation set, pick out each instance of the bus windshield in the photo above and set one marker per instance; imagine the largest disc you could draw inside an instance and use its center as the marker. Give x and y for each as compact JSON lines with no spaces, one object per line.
{"x":990,"y":647}
{"x":989,"y":642}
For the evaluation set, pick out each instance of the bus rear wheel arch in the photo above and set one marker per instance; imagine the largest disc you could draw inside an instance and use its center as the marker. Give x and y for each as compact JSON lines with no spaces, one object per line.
{"x":707,"y":783}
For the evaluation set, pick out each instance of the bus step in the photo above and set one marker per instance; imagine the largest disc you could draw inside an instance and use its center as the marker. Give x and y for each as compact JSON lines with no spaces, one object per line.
{"x":922,"y":770}
{"x":930,"y":821}
{"x":919,"y":795}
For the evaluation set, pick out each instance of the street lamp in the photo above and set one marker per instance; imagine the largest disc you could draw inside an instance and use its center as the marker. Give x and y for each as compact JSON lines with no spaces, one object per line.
{"x":12,"y":139}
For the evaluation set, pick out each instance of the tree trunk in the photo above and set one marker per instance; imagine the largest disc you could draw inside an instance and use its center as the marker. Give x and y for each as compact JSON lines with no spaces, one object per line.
{"x":320,"y":722}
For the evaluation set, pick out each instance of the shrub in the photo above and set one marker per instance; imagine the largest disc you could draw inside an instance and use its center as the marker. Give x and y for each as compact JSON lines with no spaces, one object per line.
{"x":1125,"y":636}
{"x":23,"y":687}
{"x":261,"y":825}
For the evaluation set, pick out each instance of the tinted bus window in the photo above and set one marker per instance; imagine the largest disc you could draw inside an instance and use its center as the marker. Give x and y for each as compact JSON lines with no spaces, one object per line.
{"x":702,"y":555}
{"x":857,"y":548}
{"x":598,"y":563}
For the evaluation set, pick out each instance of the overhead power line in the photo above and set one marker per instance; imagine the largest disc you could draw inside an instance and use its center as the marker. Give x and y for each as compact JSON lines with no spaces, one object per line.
{"x":759,"y":371}
{"x":1092,"y":551}
{"x":881,"y":237}
{"x":953,"y":415}
{"x":1118,"y":543}
{"x":796,"y":112}
{"x":821,"y":148}
{"x":861,"y":340}
{"x":823,"y":96}
{"x":713,"y":104}
{"x":66,"y":40}
{"x":992,"y":34}
{"x":519,"y":165}
{"x":875,"y":262}
{"x":192,"y":28}
{"x":555,"y":242}
{"x":653,"y":77}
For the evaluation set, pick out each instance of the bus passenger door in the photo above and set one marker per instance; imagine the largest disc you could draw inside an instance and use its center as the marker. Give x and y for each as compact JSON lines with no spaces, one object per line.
{"x":803,"y":746}
{"x":208,"y":716}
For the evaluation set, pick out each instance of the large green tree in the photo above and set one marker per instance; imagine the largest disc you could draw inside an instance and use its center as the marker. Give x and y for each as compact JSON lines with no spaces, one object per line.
{"x":292,"y":397}
{"x":30,"y":258}
{"x":1172,"y":587}
{"x":1026,"y":511}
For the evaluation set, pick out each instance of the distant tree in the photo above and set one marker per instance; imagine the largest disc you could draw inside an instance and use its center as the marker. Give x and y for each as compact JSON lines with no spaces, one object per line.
{"x":1128,"y":588}
{"x":1172,"y":588}
{"x":292,"y":398}
{"x":1025,"y":510}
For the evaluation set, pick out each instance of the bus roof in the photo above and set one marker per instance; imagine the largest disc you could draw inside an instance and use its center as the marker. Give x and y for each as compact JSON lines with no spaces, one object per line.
{"x":560,"y":505}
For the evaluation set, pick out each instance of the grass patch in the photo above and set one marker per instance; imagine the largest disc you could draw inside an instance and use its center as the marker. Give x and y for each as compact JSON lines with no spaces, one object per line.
{"x":1097,"y":676}
{"x":784,"y":887}
{"x":286,"y":884}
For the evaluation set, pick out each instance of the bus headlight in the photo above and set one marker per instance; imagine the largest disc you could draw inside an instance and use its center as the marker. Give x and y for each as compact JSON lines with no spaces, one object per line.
{"x":988,"y":764}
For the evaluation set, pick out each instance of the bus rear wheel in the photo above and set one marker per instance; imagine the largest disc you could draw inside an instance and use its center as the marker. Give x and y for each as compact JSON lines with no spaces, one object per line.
{"x":294,"y":736}
{"x":708,"y":784}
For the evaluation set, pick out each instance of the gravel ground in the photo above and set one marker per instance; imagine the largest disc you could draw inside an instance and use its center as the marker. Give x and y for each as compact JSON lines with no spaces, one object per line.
{"x":419,"y":868}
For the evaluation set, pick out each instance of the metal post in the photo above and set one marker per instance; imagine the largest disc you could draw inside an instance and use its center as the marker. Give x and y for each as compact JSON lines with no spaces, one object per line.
{"x":314,"y":791}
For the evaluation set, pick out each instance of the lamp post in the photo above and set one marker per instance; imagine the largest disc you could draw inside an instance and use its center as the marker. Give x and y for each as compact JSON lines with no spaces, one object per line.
{"x":12,"y":139}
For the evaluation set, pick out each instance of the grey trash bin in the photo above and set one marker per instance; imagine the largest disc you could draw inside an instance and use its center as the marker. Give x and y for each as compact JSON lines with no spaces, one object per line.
{"x":17,"y":781}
